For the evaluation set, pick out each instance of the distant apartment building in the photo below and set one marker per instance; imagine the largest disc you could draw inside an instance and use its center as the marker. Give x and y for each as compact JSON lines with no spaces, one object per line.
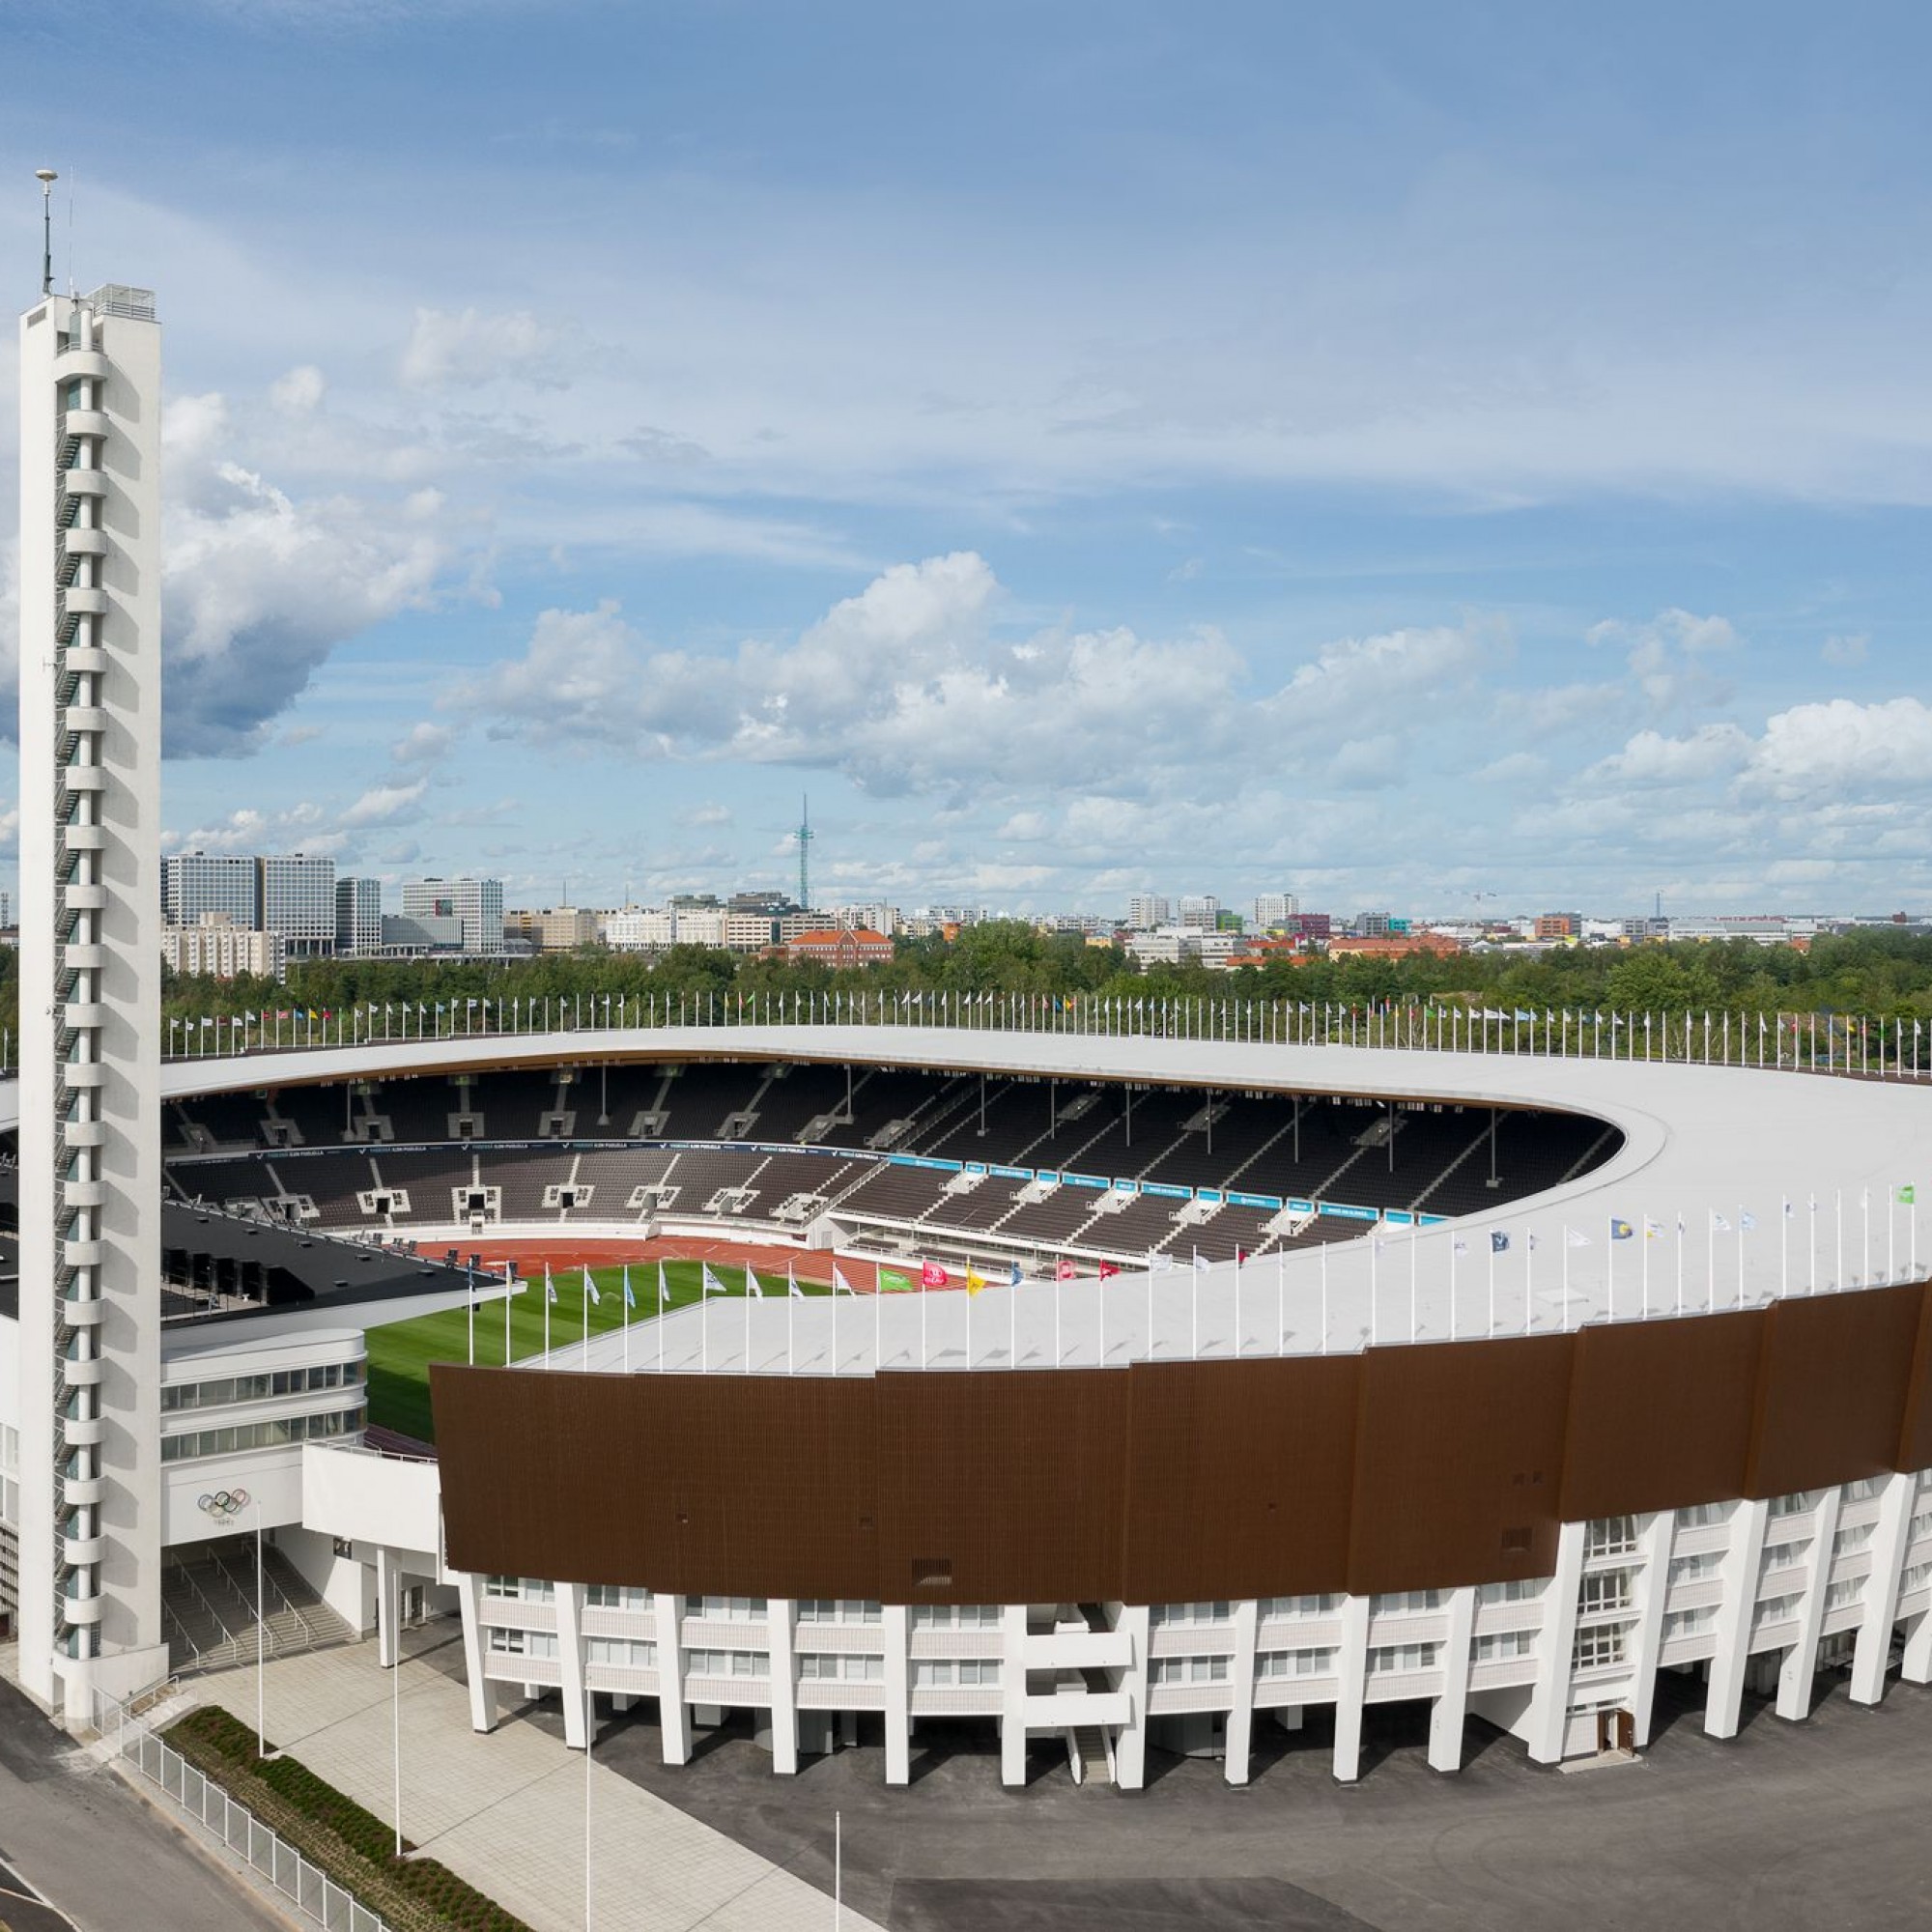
{"x":554,"y":928}
{"x":477,"y":905}
{"x":285,"y":892}
{"x":1274,"y":909}
{"x":1166,"y":946}
{"x":1148,"y":910}
{"x":358,"y":916}
{"x":878,"y":917}
{"x":1200,"y":911}
{"x":1766,"y":928}
{"x":1558,"y":926}
{"x":1391,"y":945}
{"x":215,"y":948}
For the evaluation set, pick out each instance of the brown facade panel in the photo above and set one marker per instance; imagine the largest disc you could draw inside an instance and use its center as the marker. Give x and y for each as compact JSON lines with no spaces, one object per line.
{"x":761,"y":1486}
{"x":1915,"y":1436}
{"x":1660,"y":1414}
{"x":1832,"y":1388}
{"x":1238,"y":1478}
{"x":1001,"y":1488}
{"x":1459,"y":1463}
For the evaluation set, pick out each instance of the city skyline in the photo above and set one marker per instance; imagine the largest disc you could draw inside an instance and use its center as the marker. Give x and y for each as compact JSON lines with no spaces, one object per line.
{"x":1385,"y":465}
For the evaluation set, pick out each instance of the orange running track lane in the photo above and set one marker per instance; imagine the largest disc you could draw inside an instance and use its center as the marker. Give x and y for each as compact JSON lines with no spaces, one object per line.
{"x":767,"y":1258}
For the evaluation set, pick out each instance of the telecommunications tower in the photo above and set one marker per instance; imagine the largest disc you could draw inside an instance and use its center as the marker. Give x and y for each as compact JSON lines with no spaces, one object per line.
{"x":804,"y":836}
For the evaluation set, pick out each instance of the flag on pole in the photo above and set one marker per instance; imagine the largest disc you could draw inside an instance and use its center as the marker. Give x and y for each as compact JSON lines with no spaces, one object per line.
{"x":549,"y":1287}
{"x":1907,"y":1195}
{"x":975,"y":1281}
{"x":590,"y":1288}
{"x":630,"y":1300}
{"x":1621,"y":1231}
{"x":753,"y":1286}
{"x":1108,"y":1270}
{"x":1746,"y":1220}
{"x":1200,"y":1262}
{"x":1576,"y":1238}
{"x":1064,"y":1271}
{"x":1498,"y":1241}
{"x":1014,"y":1279}
{"x":1719,"y":1225}
{"x":1652,"y":1228}
{"x":791,"y":1283}
{"x":711,"y":1283}
{"x":840,"y":1285}
{"x":892,"y":1282}
{"x":932,"y":1275}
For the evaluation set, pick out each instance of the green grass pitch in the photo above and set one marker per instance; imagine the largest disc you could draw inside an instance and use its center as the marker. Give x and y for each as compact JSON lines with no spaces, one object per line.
{"x":400,"y":1351}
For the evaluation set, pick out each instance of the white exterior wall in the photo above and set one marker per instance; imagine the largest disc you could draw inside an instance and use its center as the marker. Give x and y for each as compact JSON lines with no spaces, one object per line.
{"x":90,"y":994}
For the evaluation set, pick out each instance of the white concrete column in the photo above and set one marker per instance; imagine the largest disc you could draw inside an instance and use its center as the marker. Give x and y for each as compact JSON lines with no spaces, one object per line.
{"x":1655,"y":1542}
{"x":482,"y":1691}
{"x":673,"y":1713}
{"x":1549,"y":1713}
{"x":1012,"y":1693}
{"x":1796,"y":1674}
{"x":1881,"y":1605}
{"x":1916,"y":1666}
{"x":897,"y":1622}
{"x":388,"y":1608}
{"x":1447,"y":1712}
{"x":570,"y":1656}
{"x":1743,"y":1557}
{"x":1239,"y":1734}
{"x":780,"y":1613}
{"x":1130,"y":1745}
{"x":1351,"y":1671}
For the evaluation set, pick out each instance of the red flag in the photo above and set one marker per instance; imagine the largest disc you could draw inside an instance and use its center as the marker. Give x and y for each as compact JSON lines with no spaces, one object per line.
{"x":1064,"y":1271}
{"x":1108,"y":1270}
{"x":932,"y":1275}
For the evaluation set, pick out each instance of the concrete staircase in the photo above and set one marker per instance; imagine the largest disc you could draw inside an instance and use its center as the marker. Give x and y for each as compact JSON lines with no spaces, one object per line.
{"x":208,"y":1608}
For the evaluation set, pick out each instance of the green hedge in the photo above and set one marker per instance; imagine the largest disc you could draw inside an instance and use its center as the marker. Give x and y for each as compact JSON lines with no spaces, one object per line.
{"x":351,"y":1844}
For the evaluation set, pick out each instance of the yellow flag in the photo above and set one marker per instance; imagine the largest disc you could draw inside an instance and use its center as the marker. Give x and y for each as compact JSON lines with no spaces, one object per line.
{"x":975,"y":1282}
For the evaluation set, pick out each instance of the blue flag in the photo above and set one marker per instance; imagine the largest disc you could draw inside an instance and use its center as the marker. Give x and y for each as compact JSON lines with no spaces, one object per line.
{"x":590,"y":1288}
{"x":1621,"y":1231}
{"x":1498,"y":1241}
{"x":630,"y":1300}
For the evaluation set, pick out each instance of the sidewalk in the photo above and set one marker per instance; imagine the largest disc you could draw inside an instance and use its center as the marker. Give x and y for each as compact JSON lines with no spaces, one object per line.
{"x":506,"y":1810}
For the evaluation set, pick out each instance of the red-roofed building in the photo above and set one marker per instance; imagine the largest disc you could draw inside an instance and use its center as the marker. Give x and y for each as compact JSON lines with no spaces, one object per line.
{"x":841,"y":947}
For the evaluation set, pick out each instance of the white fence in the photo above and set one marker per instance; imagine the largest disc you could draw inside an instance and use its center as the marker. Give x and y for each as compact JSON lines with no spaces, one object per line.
{"x":310,"y":1891}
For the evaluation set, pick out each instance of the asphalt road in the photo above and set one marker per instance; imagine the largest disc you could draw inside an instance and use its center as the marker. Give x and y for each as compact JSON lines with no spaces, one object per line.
{"x":79,"y":1852}
{"x":1785,"y":1829}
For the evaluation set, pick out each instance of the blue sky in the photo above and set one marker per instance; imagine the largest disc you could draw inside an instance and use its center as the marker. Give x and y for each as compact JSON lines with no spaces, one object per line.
{"x":1390,"y":453}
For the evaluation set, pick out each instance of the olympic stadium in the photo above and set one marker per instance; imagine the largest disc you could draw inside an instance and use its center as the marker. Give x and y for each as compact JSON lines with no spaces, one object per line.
{"x":1290,"y":1377}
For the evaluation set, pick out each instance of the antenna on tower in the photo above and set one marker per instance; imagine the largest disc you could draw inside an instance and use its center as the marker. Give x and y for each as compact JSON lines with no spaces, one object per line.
{"x":46,"y":178}
{"x":804,"y":836}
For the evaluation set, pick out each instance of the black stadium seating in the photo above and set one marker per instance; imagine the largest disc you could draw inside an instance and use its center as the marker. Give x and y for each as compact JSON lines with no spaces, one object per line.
{"x":594,"y":1146}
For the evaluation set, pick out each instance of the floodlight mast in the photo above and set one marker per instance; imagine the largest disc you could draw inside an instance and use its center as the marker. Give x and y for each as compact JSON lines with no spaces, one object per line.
{"x":46,"y":178}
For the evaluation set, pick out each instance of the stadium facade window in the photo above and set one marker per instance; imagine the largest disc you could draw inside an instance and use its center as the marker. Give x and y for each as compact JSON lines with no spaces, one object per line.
{"x":623,"y":1652}
{"x":1694,"y":1569}
{"x":1846,"y":1590}
{"x":726,"y":1610}
{"x":813,"y":1666}
{"x":1864,"y":1490}
{"x":1703,"y":1516}
{"x":1190,"y":1670}
{"x":1501,"y":1644}
{"x":1688,"y":1623}
{"x":1401,"y":1602}
{"x":840,"y":1610}
{"x":1611,"y":1536}
{"x":1190,"y":1613}
{"x":954,"y":1616}
{"x":1295,"y":1664}
{"x":616,"y":1597}
{"x":521,"y":1589}
{"x":1914,"y":1577}
{"x":1782,"y":1555}
{"x":726,"y":1663}
{"x":1792,"y":1505}
{"x":1858,"y":1537}
{"x":540,"y":1644}
{"x":273,"y":1434}
{"x":1604,"y":1591}
{"x":227,"y":1389}
{"x":1518,"y":1590}
{"x":968,"y":1672}
{"x":1599,"y":1647}
{"x":1301,"y":1607}
{"x":1779,"y":1609}
{"x":1391,"y":1659}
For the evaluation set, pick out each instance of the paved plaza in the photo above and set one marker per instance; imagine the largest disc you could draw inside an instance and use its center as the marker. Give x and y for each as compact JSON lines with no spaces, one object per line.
{"x":506,"y":1811}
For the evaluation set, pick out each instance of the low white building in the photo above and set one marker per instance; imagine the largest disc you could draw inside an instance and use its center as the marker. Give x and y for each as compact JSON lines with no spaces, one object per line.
{"x":217,"y":948}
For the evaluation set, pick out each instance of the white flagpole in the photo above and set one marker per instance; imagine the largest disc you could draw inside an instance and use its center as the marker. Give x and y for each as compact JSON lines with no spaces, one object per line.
{"x":589,"y":1733}
{"x":1325,"y":1297}
{"x":1566,"y":1277}
{"x":627,"y":1320}
{"x":549,"y":1296}
{"x":1453,"y":1239}
{"x":1493,"y":1287}
{"x":1411,"y":1277}
{"x":1194,"y":1307}
{"x":1643,"y":1262}
{"x":1149,"y":1276}
{"x":1014,"y":1320}
{"x":1237,"y":1304}
{"x":661,"y":1317}
{"x":878,"y":1319}
{"x":470,"y":1301}
{"x":1280,"y":1303}
{"x":1375,"y":1242}
{"x":748,"y":1318}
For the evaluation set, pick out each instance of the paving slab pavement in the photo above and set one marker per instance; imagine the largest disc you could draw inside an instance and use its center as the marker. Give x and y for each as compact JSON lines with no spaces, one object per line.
{"x":506,"y":1810}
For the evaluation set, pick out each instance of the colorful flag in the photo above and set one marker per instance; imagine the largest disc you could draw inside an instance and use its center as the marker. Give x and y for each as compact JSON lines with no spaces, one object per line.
{"x":1064,"y":1271}
{"x":630,"y":1300}
{"x":1907,"y":1195}
{"x":1498,"y":1241}
{"x":1013,"y":1280}
{"x":892,"y":1282}
{"x":975,"y":1281}
{"x":932,"y":1275}
{"x":549,"y":1287}
{"x":1108,"y":1270}
{"x":1621,"y":1231}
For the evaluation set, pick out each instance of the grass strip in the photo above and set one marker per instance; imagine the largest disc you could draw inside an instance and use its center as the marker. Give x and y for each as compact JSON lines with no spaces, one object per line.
{"x":354,"y":1846}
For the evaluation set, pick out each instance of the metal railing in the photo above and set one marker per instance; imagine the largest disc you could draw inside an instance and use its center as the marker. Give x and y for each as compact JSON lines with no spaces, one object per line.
{"x":1888,"y":1047}
{"x":306,"y":1887}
